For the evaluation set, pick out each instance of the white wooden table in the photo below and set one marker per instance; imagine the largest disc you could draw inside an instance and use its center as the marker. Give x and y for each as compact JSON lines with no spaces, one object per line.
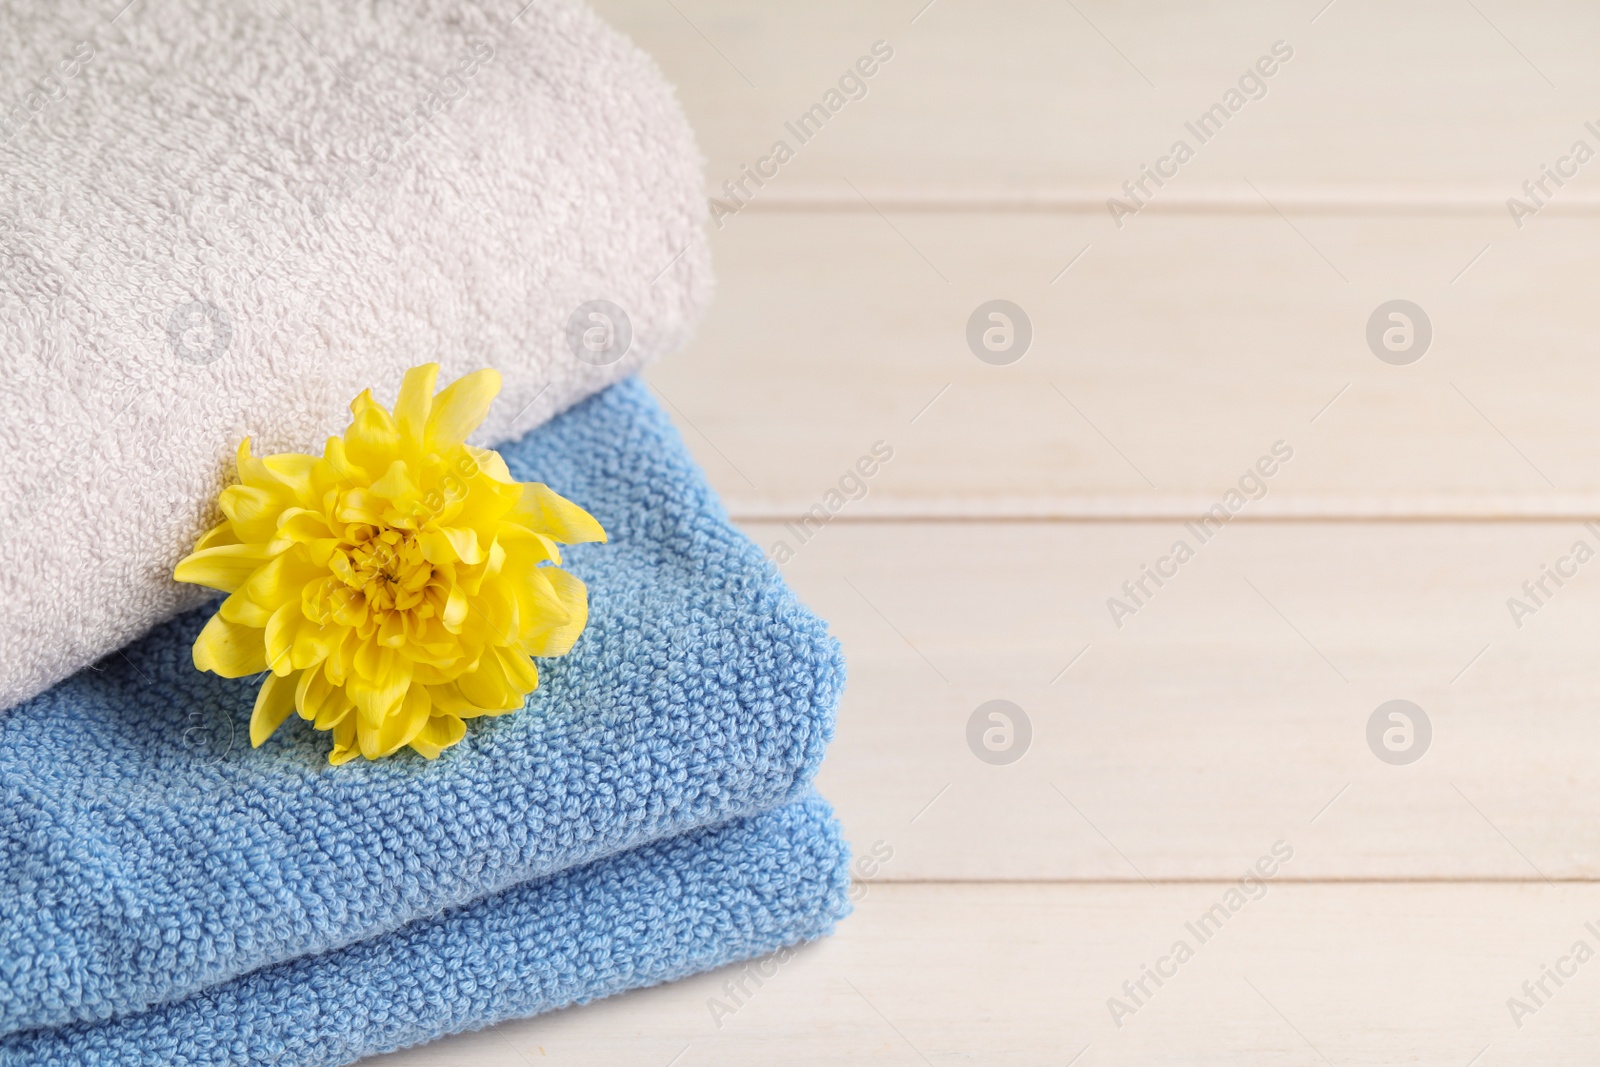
{"x":1174,"y":745}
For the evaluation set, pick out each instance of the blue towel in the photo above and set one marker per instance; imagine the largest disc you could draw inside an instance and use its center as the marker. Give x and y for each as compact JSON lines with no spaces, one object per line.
{"x":147,"y":852}
{"x":662,"y":911}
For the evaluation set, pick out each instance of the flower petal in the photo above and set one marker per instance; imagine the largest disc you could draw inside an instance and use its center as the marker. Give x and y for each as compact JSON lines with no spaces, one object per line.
{"x":220,"y":534}
{"x":460,"y":407}
{"x":371,"y":440}
{"x":303,"y":525}
{"x":241,"y":609}
{"x":281,"y":631}
{"x":520,"y":671}
{"x":447,"y":700}
{"x":406,"y":723}
{"x":229,"y":649}
{"x":544,"y":510}
{"x":312,"y":689}
{"x":489,"y":688}
{"x":412,"y":407}
{"x":529,"y":546}
{"x":377,"y":686}
{"x":395,"y":485}
{"x":319,"y":701}
{"x":225,"y":567}
{"x":313,"y":643}
{"x":451,"y":544}
{"x":273,"y":705}
{"x":339,"y":466}
{"x":492,"y":463}
{"x":440,"y":733}
{"x":344,"y":742}
{"x":336,"y":711}
{"x":557,"y":633}
{"x":254,"y":512}
{"x":282,"y":579}
{"x":292,"y":470}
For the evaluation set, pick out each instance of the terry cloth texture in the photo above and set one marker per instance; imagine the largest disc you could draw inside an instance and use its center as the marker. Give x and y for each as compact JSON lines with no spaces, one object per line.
{"x":657,"y":913}
{"x":228,"y":219}
{"x":147,"y":852}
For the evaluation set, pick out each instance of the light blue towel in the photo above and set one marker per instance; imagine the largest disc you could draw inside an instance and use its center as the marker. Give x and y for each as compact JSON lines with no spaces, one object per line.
{"x":147,"y":852}
{"x":660,"y":912}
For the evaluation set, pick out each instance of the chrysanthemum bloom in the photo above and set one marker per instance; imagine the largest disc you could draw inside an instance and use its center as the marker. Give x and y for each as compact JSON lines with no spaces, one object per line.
{"x":394,"y":586}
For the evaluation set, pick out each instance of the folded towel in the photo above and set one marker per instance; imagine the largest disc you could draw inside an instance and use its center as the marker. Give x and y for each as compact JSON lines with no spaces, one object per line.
{"x":221,"y":220}
{"x":147,"y":852}
{"x":656,"y":913}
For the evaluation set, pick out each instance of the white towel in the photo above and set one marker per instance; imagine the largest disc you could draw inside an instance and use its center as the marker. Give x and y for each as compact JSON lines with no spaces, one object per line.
{"x":227,"y":219}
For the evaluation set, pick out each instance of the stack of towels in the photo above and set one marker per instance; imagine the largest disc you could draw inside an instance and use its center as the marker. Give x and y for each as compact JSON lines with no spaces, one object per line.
{"x":329,"y":193}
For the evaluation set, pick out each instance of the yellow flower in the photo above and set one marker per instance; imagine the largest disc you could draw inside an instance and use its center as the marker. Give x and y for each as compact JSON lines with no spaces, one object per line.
{"x":395,"y":586}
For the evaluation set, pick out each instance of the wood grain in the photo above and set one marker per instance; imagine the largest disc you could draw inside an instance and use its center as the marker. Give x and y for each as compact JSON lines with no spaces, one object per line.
{"x":1230,"y":709}
{"x":1163,"y":364}
{"x":1037,"y":96}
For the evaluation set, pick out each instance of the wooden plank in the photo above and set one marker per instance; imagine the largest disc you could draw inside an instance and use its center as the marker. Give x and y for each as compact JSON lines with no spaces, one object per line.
{"x":1034,"y":97}
{"x":1022,"y":974}
{"x":1163,"y":364}
{"x":1231,"y":708}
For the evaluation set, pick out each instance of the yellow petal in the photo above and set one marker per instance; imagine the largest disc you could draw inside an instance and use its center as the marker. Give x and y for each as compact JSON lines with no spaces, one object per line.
{"x":218,"y":535}
{"x":396,"y":484}
{"x":447,"y":700}
{"x":273,"y":705}
{"x":378,"y":685}
{"x":404,"y":724}
{"x":493,"y":464}
{"x":486,"y":503}
{"x":460,"y":407}
{"x":340,"y":468}
{"x":302,"y":525}
{"x":253,"y":512}
{"x":451,"y":544}
{"x":292,"y":470}
{"x":334,"y":712}
{"x":440,"y":733}
{"x":225,"y":567}
{"x":341,"y":658}
{"x":455,"y":610}
{"x":360,"y":506}
{"x":520,"y":671}
{"x":279,"y":636}
{"x":313,"y":643}
{"x":494,"y":614}
{"x":558,"y":635}
{"x":416,"y":398}
{"x":312,"y":689}
{"x":251,"y":470}
{"x":392,"y":631}
{"x":489,"y":688}
{"x":229,"y":649}
{"x":543,"y":510}
{"x":541,"y":605}
{"x":319,"y":701}
{"x":371,"y":440}
{"x":529,"y":546}
{"x":241,"y":609}
{"x":282,"y":579}
{"x":344,"y":742}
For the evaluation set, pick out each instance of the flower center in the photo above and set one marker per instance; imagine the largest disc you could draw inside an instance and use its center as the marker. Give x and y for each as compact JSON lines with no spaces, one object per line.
{"x":384,"y":565}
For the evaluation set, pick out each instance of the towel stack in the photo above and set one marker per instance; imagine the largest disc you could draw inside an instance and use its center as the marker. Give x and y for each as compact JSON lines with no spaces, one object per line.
{"x":169,"y":894}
